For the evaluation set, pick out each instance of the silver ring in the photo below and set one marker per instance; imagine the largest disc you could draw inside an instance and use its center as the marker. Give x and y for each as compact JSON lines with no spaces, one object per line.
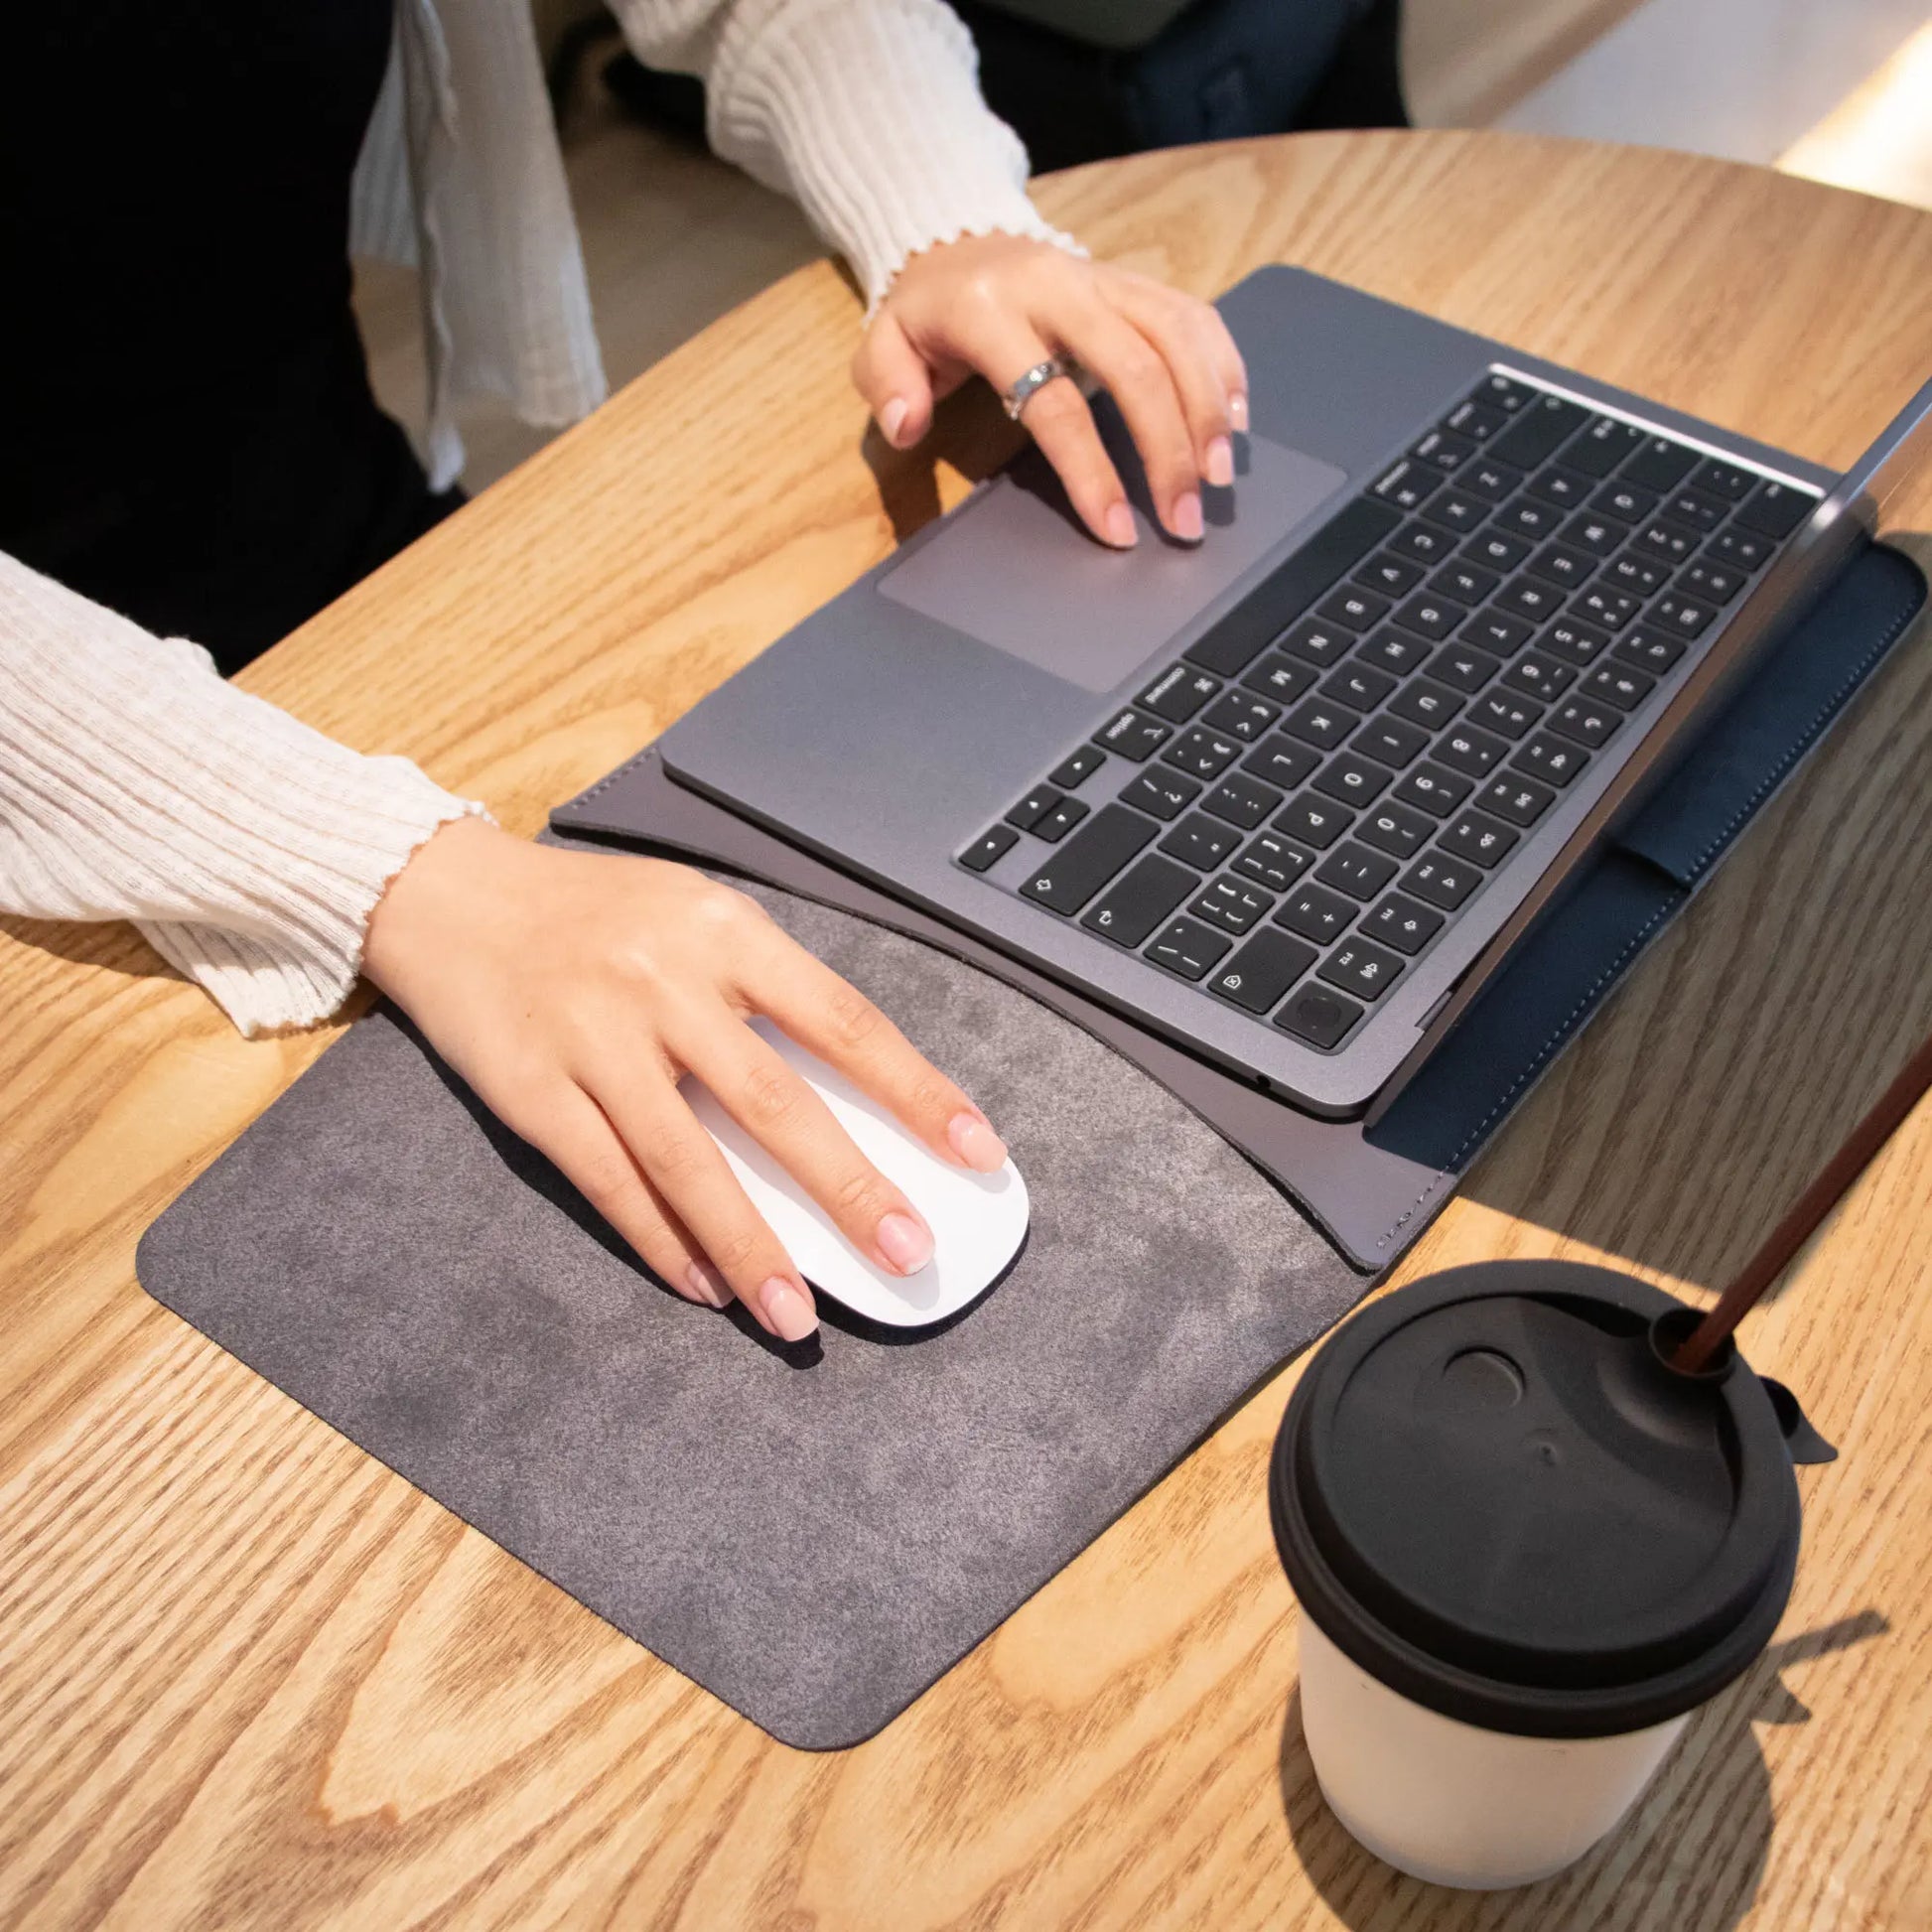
{"x":1021,"y":394}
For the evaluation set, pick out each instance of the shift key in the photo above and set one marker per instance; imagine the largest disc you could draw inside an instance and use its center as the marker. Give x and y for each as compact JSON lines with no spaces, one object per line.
{"x":1130,"y":909}
{"x":1091,"y":857}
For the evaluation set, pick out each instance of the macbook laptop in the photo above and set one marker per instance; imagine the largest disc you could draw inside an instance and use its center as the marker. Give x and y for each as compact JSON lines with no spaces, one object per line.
{"x":1289,"y":796}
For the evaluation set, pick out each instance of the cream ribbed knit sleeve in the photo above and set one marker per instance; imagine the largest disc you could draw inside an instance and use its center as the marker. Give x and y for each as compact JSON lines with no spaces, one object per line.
{"x":135,"y":785}
{"x":866,"y":112}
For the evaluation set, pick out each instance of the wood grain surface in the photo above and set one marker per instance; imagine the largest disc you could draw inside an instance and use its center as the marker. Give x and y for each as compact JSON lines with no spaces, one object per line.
{"x":250,"y":1677}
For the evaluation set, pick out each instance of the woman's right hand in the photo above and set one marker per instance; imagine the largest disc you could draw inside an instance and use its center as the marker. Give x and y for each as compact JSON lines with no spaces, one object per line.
{"x":574,"y":990}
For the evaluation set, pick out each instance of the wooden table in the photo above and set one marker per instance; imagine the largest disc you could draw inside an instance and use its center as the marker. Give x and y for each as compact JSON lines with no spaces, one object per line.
{"x":248,"y":1677}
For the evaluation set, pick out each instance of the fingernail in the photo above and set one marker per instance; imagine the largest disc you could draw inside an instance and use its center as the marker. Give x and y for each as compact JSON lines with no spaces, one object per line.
{"x":1220,"y":463}
{"x":787,"y":1309}
{"x":1238,"y":409}
{"x":904,"y":1243}
{"x":976,"y":1144}
{"x":892,"y":419}
{"x":1120,"y":527}
{"x":707,"y":1284}
{"x":1187,"y":517}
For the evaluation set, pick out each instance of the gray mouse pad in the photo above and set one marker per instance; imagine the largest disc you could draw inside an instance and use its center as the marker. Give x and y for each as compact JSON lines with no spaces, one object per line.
{"x":813,"y":1534}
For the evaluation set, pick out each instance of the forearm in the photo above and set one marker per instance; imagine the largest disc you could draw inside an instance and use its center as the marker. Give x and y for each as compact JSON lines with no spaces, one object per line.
{"x":135,"y":783}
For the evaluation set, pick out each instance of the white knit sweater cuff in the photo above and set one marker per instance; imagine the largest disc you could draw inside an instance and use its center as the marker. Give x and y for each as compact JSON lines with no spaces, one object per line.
{"x":868,"y":112}
{"x":135,"y":783}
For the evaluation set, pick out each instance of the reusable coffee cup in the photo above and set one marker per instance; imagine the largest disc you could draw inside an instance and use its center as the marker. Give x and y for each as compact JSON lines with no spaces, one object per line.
{"x":1526,"y":1549}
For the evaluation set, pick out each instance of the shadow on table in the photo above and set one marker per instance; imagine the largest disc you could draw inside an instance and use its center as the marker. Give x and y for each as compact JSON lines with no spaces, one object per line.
{"x":1650,"y":1872}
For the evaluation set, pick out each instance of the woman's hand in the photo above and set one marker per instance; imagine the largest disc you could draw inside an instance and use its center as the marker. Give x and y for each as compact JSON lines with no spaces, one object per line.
{"x":572,"y":992}
{"x":1000,"y":304}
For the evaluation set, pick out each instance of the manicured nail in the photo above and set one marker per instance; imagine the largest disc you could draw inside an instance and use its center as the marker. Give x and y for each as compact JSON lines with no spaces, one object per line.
{"x":976,"y":1144}
{"x":1187,"y":517}
{"x":905,"y":1243}
{"x":1220,"y":463}
{"x":707,"y":1284}
{"x":892,"y":419}
{"x":1238,"y":409}
{"x":787,"y":1309}
{"x":1120,"y":527}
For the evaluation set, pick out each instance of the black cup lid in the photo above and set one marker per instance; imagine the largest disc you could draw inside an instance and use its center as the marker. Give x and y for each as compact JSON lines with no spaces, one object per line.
{"x":1490,"y":1492}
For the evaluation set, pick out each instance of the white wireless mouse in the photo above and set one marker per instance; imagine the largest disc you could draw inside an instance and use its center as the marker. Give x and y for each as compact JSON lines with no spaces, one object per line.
{"x":978,"y":1220}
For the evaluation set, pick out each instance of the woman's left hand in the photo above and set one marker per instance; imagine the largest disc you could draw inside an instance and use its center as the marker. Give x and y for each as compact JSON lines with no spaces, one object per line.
{"x":997,"y":305}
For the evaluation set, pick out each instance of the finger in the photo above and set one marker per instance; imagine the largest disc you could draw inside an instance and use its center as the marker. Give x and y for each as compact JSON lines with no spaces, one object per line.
{"x":1219,"y":345}
{"x":893,"y":378}
{"x":1174,"y":324}
{"x":1002,"y":349}
{"x":791,"y":1121}
{"x":691,"y":1175}
{"x":1137,"y":374}
{"x":829,"y":1017}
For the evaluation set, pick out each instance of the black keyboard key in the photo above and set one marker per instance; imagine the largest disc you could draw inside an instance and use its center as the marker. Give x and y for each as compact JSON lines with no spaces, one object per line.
{"x":1317,"y":642}
{"x":1475,"y":754}
{"x":1322,"y":1018}
{"x":989,"y":848}
{"x":1463,"y":669}
{"x":1362,"y":967}
{"x":1520,"y":800}
{"x":1403,"y":923}
{"x":1354,"y":607}
{"x":1618,"y":686}
{"x":1241,"y":801}
{"x":1060,"y":821}
{"x":1669,"y":543}
{"x":1390,"y":741}
{"x":1273,"y":860}
{"x":1443,"y":881}
{"x":1232,"y":904}
{"x":1529,"y":516}
{"x":1776,"y":510}
{"x":1562,"y":487}
{"x":1502,"y":392}
{"x":1280,"y":678}
{"x":1315,"y":821}
{"x":1503,"y":711}
{"x":1424,"y":543}
{"x":1188,"y":948}
{"x":1033,"y":807}
{"x":1573,"y":642}
{"x":1599,"y":604}
{"x":1625,"y":504}
{"x":1077,"y":767}
{"x":1178,"y":693}
{"x":1134,"y":736}
{"x":1659,"y":464}
{"x":1433,"y":789}
{"x":1355,"y":870}
{"x":1166,"y":794}
{"x":1201,"y":754}
{"x":1353,"y":779}
{"x":1743,"y":549}
{"x":1432,"y":617}
{"x":1394,"y":652}
{"x":1599,"y":448}
{"x":1408,"y":484}
{"x":1233,"y":643}
{"x":1199,"y":842}
{"x":1321,"y":723}
{"x":1316,"y":913}
{"x":1395,"y":829}
{"x":1550,"y":758}
{"x":1477,"y":420}
{"x":1727,"y":480}
{"x":1713,"y":583}
{"x":1600,"y":535}
{"x":1468,"y":583}
{"x":1263,"y":970}
{"x":1495,"y":482}
{"x":1279,"y":760}
{"x":1680,"y":617}
{"x":1497,"y":550}
{"x":1639,"y":573}
{"x":1530,"y":599}
{"x":1480,"y":839}
{"x":1456,"y":510}
{"x":1424,"y":704}
{"x":1443,"y":450}
{"x":1539,"y":430}
{"x":1586,"y":721}
{"x":1140,"y":899}
{"x":1694,"y":508}
{"x":1241,"y":716}
{"x":1360,"y":686}
{"x":1091,"y":857}
{"x":1391,"y":575}
{"x":1538,"y":678}
{"x":1650,"y":650}
{"x":1557,"y":564}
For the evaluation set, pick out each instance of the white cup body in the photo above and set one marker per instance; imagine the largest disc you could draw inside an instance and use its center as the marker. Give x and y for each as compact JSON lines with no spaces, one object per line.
{"x":1449,"y":1802}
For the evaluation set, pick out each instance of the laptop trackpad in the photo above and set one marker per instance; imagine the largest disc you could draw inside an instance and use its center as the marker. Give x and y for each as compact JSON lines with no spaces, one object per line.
{"x":1015,"y":569}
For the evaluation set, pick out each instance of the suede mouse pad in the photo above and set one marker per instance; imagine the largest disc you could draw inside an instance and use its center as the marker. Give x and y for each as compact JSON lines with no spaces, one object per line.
{"x":813,"y":1534}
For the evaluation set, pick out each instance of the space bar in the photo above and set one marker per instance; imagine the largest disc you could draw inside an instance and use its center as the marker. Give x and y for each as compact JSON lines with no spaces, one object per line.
{"x":1282,"y":596}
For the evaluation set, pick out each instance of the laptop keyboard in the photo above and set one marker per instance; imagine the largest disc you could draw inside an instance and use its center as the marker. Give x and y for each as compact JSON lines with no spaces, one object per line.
{"x":1328,"y":777}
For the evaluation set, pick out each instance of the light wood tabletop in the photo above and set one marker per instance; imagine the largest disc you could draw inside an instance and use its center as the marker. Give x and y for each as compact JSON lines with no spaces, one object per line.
{"x":250,"y":1678}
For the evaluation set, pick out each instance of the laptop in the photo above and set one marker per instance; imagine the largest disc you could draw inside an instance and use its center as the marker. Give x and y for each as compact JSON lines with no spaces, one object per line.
{"x":1290,"y":797}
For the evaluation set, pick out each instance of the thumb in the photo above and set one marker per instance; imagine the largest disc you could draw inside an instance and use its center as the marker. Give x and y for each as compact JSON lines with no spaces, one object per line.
{"x":893,"y":378}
